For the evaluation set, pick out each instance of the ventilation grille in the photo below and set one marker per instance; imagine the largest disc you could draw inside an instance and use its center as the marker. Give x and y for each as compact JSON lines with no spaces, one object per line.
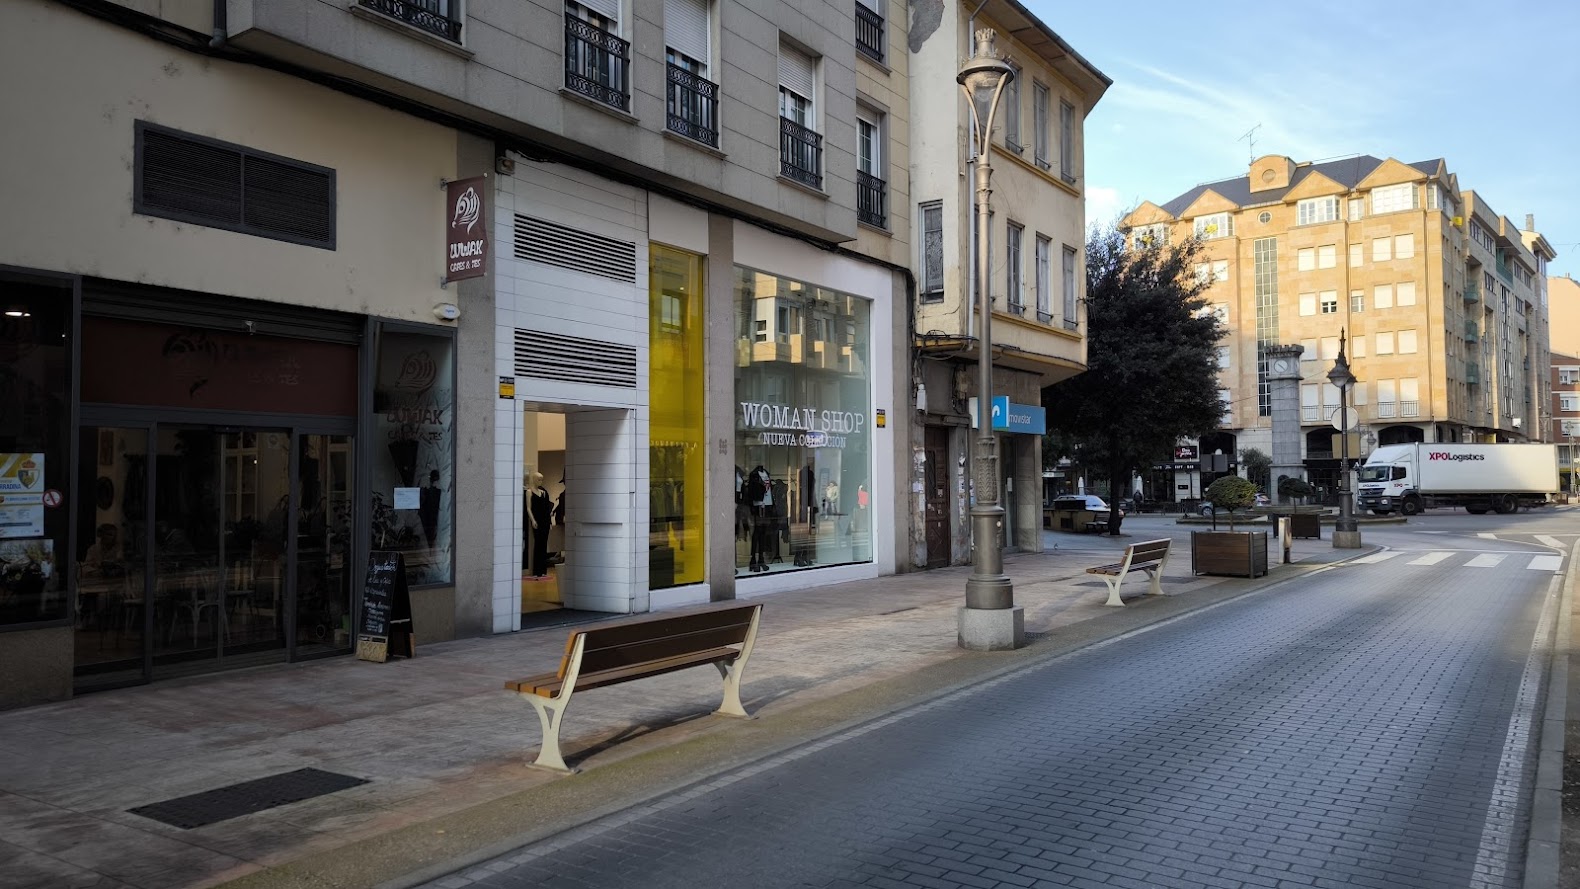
{"x":538,"y":240}
{"x":550,"y":356}
{"x":211,"y":183}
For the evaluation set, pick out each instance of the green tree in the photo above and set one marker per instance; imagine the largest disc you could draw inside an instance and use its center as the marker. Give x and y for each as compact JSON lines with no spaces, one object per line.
{"x":1152,"y":364}
{"x":1228,"y":494}
{"x":1258,"y":466}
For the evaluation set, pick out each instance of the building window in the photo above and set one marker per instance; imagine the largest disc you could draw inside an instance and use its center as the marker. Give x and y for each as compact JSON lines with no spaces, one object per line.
{"x":1327,"y":256}
{"x":869,"y":29}
{"x":800,"y":145}
{"x":1071,"y":321}
{"x":1385,"y":344}
{"x":1406,"y":342}
{"x":677,"y":456}
{"x":1044,"y":284}
{"x":1357,"y":209}
{"x":1067,"y":141}
{"x":693,"y":99}
{"x":1358,"y":346}
{"x":802,"y":434}
{"x":872,"y":196}
{"x":441,"y":18}
{"x":597,"y":61}
{"x":1568,"y":376}
{"x":1404,"y":246}
{"x":1357,"y":255}
{"x":1218,"y":225}
{"x":1039,"y":122}
{"x":1306,"y":259}
{"x":1382,"y":249}
{"x":1392,"y":198}
{"x":1146,"y":236}
{"x":1308,"y":304}
{"x":1357,"y":301}
{"x":418,"y":421}
{"x":1220,"y":270}
{"x":1404,"y":293}
{"x":932,"y":251}
{"x":1329,"y":300}
{"x":1382,"y":296}
{"x":1569,"y":403}
{"x":1314,"y":210}
{"x":1328,"y":349}
{"x":1012,"y":283}
{"x":1224,"y":354}
{"x":1264,"y":255}
{"x":1011,"y":107}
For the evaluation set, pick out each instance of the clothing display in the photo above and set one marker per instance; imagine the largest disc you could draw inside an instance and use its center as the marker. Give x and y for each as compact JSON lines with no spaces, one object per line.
{"x":538,"y":511}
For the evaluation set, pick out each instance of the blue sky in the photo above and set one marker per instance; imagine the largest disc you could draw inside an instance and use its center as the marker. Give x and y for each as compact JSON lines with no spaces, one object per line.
{"x":1493,"y":89}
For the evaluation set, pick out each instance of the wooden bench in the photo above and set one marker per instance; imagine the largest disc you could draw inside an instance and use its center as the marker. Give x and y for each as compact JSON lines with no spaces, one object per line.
{"x":636,"y":649}
{"x":1148,"y":556}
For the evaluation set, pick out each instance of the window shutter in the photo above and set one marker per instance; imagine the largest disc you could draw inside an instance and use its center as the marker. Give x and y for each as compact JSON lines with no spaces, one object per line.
{"x":795,"y":71}
{"x":609,"y":9}
{"x":687,"y":28}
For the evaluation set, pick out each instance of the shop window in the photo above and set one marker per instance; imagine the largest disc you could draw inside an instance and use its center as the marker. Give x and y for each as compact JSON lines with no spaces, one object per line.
{"x":413,"y":451}
{"x":677,"y":551}
{"x":35,"y":447}
{"x":802,"y":441}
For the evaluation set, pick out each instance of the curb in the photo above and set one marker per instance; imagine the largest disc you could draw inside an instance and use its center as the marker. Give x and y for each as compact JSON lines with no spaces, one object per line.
{"x":1543,"y":843}
{"x":430,"y":850}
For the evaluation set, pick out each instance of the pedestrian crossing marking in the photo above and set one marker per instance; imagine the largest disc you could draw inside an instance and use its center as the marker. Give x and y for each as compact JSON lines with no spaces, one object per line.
{"x":1431,"y":558}
{"x":1374,"y":558}
{"x":1486,"y":560}
{"x":1487,"y":536}
{"x":1546,"y":563}
{"x":1550,"y":541}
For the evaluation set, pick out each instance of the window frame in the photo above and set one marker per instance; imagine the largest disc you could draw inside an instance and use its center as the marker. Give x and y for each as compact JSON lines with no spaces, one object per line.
{"x":1067,"y":143}
{"x":1044,"y":260}
{"x":1014,"y":278}
{"x":1039,"y":114}
{"x":931,"y":291}
{"x":1315,"y":211}
{"x":1072,"y":319}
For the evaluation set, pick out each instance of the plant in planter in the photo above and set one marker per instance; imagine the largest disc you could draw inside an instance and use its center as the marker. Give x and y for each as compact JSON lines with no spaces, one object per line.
{"x":1293,"y":488}
{"x":1229,"y":494}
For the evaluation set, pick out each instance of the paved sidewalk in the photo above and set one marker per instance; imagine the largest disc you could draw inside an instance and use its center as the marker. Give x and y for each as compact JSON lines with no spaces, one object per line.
{"x":444,"y":748}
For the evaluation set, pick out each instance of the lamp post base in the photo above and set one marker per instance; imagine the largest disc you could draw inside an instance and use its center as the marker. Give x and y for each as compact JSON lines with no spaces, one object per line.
{"x":995,"y":629}
{"x":1346,"y":539}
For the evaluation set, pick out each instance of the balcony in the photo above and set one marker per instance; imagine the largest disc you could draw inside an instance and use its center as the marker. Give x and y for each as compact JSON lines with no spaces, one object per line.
{"x":1473,"y":374}
{"x":872,"y":197}
{"x":1472,"y":292}
{"x":1386,"y":409}
{"x":1409,"y":408}
{"x":800,"y":154}
{"x":869,"y":32}
{"x":1310,"y":413}
{"x":431,"y":16}
{"x":597,"y":64}
{"x":1471,"y":334}
{"x":693,"y":106}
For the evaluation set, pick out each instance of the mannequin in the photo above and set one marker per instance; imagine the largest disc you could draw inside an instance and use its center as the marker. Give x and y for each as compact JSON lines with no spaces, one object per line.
{"x":536,"y":508}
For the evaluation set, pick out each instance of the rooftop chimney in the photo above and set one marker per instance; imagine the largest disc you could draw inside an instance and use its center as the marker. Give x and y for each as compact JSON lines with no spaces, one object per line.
{"x":1530,"y":222}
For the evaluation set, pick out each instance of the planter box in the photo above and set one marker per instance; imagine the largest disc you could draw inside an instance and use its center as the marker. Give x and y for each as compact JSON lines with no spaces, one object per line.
{"x":1306,"y":525}
{"x":1232,"y":553}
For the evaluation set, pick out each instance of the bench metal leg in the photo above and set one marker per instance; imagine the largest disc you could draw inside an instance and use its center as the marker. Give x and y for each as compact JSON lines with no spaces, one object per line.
{"x":1156,"y":589}
{"x":732,"y":672}
{"x":1113,"y":589}
{"x":549,"y":712}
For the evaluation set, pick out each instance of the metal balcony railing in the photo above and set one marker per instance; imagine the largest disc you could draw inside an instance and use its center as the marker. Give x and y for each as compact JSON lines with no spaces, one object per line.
{"x":1409,"y":408}
{"x":693,"y":106}
{"x":1473,"y":374}
{"x":1387,"y":409}
{"x":869,"y":32}
{"x":1471,"y":334}
{"x":872,"y":197}
{"x":433,"y":16}
{"x":800,"y":153}
{"x":1310,"y":413}
{"x":597,"y":64}
{"x":1472,"y":292}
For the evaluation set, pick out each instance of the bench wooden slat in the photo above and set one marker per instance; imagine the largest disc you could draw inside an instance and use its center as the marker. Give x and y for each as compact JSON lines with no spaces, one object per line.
{"x":598,"y":657}
{"x":549,"y":685}
{"x":1148,"y":557}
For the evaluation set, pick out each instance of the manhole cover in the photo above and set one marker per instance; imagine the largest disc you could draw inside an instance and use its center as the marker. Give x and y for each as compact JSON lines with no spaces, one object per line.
{"x":235,"y":800}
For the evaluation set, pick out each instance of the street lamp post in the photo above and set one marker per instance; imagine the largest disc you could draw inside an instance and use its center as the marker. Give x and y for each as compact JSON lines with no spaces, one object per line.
{"x":989,"y":621}
{"x":1346,"y":534}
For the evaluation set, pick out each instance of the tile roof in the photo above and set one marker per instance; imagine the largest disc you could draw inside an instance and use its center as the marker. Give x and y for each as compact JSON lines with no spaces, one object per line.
{"x":1347,"y":171}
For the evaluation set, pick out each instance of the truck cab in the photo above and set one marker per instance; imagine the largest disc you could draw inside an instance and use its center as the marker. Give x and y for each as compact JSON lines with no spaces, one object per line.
{"x":1387,"y":481}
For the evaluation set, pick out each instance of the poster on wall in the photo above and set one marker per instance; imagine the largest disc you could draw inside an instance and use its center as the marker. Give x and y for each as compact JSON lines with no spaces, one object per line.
{"x":21,"y":515}
{"x":26,"y":568}
{"x":21,"y":473}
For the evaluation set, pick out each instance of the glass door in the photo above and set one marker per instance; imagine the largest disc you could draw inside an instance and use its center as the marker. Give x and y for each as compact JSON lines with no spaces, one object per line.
{"x":110,"y":596}
{"x":323,"y":544}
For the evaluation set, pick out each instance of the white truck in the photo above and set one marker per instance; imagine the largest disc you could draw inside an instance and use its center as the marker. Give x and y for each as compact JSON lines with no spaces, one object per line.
{"x":1479,"y":477}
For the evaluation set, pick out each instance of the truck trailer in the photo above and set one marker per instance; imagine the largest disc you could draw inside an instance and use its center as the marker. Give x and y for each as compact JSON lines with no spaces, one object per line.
{"x":1480,"y":477}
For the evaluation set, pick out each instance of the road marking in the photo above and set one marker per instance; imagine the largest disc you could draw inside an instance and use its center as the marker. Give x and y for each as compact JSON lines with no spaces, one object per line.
{"x":1430,"y":559}
{"x":1374,"y":558}
{"x":1546,"y":563}
{"x":1487,"y":536}
{"x":1486,"y":560}
{"x":1550,"y":541}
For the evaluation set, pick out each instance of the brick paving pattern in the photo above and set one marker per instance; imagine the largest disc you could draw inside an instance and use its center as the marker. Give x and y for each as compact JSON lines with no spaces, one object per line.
{"x":1346,"y":732}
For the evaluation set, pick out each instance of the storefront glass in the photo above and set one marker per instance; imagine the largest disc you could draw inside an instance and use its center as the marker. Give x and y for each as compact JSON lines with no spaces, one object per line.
{"x":802,"y":425}
{"x":676,"y":551}
{"x":35,"y":447}
{"x":413,"y":452}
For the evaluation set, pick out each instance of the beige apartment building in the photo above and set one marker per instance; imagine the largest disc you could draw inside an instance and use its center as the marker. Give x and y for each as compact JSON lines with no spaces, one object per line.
{"x":1036,"y":276}
{"x":528,"y":293}
{"x":1563,"y":296}
{"x":1434,"y":293}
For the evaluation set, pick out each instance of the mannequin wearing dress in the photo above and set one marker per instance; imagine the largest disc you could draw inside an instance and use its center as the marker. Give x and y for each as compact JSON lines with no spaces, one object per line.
{"x":537,"y":511}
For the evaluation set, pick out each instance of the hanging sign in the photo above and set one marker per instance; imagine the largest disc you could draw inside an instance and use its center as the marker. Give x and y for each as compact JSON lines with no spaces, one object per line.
{"x":466,"y":238}
{"x":385,"y":629}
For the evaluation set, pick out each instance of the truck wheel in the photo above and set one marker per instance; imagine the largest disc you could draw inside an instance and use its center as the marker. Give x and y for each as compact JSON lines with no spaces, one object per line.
{"x":1506,"y":504}
{"x":1410,"y":506}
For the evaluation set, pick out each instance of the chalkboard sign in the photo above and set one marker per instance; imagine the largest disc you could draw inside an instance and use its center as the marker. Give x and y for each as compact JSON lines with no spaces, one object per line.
{"x":385,"y":629}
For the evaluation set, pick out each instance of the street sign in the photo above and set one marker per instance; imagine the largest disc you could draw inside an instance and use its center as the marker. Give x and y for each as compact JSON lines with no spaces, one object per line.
{"x":1339,"y":416}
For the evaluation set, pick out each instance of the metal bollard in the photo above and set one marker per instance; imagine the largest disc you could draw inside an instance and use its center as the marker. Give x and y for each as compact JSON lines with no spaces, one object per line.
{"x":1286,"y":535}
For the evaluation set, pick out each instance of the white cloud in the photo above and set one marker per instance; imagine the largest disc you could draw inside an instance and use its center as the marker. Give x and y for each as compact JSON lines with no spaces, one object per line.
{"x":1102,"y":205}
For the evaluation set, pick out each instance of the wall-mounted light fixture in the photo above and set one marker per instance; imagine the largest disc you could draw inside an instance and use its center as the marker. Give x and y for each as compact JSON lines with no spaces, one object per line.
{"x":447,"y":311}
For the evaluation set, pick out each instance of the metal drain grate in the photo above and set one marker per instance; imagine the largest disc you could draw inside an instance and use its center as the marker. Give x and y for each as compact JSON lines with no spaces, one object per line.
{"x":224,"y":803}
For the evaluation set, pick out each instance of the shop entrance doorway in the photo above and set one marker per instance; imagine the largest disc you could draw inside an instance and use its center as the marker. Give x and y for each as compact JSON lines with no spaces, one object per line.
{"x":210,"y":547}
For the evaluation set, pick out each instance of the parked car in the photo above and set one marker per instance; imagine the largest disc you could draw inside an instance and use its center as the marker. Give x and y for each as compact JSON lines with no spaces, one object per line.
{"x":1084,"y":501}
{"x":1207,"y":508}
